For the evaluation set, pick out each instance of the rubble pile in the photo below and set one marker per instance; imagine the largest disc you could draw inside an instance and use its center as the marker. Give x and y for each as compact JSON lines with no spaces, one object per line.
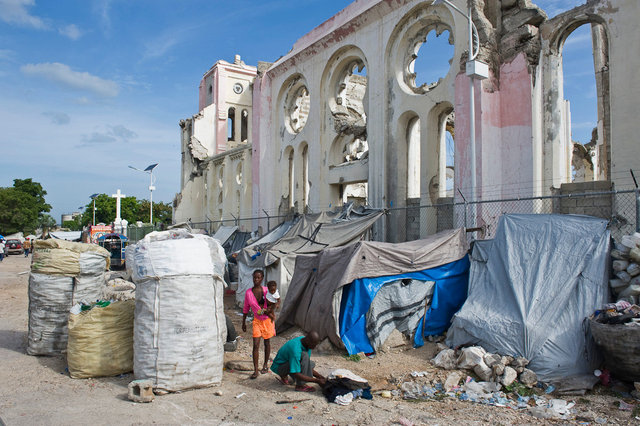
{"x":504,"y":381}
{"x":487,"y":366}
{"x":626,"y":269}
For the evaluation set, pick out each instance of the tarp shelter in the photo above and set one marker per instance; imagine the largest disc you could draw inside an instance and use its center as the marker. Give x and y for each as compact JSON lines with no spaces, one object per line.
{"x":332,"y":292}
{"x":310,"y":234}
{"x":67,"y":235}
{"x":531,"y":288}
{"x":231,"y":238}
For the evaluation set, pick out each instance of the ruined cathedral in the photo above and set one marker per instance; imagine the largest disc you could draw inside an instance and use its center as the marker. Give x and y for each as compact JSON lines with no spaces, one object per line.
{"x":341,"y":117}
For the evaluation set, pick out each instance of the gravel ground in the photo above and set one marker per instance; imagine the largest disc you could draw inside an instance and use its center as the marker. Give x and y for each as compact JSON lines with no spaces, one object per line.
{"x":38,"y":390}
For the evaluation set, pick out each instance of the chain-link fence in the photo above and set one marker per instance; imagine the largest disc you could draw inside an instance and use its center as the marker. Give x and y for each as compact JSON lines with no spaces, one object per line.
{"x":620,"y":208}
{"x":415,"y":221}
{"x":245,"y":224}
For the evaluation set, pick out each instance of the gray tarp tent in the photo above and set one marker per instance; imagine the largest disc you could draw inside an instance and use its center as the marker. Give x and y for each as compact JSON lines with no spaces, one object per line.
{"x":530,"y":289}
{"x":314,"y":296}
{"x":310,"y":234}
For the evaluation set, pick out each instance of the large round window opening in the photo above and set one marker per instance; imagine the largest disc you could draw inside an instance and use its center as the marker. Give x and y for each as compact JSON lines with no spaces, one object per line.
{"x":429,"y":59}
{"x":298,"y":103}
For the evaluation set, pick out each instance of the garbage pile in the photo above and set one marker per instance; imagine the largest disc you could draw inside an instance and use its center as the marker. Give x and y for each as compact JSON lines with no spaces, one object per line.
{"x":621,"y":312}
{"x":62,"y":273}
{"x":487,"y":366}
{"x":626,"y":269}
{"x":118,"y":288}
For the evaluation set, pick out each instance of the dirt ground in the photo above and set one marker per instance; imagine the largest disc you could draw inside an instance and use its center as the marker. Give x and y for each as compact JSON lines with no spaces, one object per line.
{"x":38,"y":390}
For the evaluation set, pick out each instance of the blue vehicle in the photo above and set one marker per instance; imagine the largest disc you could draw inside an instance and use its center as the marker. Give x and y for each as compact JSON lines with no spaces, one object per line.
{"x":115,"y":244}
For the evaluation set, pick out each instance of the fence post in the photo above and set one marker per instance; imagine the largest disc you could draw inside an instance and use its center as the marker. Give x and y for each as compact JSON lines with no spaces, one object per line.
{"x":465,"y":208}
{"x":637,"y":210}
{"x":268,"y":221}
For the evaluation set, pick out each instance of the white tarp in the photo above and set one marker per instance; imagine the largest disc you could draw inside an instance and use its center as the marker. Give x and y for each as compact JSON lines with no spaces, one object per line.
{"x":224,"y":233}
{"x":179,"y":325}
{"x":531,"y":288}
{"x":311,"y":234}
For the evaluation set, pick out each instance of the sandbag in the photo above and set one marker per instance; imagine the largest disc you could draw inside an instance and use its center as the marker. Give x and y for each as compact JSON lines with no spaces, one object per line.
{"x":101,"y":341}
{"x":50,"y":298}
{"x":49,"y":303}
{"x":179,"y":325}
{"x":60,"y":257}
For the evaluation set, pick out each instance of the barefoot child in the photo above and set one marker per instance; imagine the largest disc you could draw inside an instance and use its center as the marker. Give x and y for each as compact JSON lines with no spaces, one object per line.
{"x":273,"y":300}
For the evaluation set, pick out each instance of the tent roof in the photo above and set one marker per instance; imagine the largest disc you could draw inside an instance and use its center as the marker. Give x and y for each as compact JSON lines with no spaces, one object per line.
{"x":224,"y":233}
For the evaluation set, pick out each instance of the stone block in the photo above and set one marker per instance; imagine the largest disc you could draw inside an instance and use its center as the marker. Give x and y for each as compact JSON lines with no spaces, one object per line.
{"x":141,"y":391}
{"x":528,"y":378}
{"x":516,"y":18}
{"x":509,"y":376}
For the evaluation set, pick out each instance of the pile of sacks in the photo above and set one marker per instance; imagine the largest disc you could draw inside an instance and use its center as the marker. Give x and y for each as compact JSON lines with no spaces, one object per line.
{"x":63,"y":273}
{"x":487,"y":366}
{"x":626,"y":269}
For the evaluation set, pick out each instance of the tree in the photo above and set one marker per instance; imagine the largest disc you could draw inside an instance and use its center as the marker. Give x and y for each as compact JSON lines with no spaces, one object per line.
{"x":22,"y":206}
{"x":131,"y":209}
{"x":46,"y":222}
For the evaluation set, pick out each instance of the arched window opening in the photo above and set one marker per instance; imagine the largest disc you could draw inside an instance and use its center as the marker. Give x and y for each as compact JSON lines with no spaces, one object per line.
{"x":413,"y":158}
{"x":350,"y":112}
{"x":231,"y":124}
{"x":582,"y":109}
{"x":450,"y":168}
{"x":239,"y":174}
{"x":244,"y":126}
{"x":429,"y":59}
{"x":305,"y":176}
{"x":291,"y":180}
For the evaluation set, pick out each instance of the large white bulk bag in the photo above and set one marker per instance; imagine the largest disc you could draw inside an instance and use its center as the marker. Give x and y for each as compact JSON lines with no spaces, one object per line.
{"x":62,"y":274}
{"x":179,"y":325}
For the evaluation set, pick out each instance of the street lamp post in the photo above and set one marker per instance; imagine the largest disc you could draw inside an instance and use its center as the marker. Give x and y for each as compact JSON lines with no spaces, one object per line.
{"x":93,"y":197}
{"x":474,"y":69}
{"x":149,"y":170}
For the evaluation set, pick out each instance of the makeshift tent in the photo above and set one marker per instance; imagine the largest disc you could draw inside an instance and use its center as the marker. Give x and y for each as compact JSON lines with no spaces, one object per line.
{"x":310,"y":234}
{"x":332,"y":292}
{"x":531,"y":288}
{"x":231,"y":238}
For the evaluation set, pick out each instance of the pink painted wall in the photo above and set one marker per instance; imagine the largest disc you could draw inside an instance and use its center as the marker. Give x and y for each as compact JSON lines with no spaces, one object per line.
{"x":504,"y":134}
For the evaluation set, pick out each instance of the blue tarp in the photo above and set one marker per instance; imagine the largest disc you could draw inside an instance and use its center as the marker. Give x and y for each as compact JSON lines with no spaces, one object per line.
{"x":450,"y":293}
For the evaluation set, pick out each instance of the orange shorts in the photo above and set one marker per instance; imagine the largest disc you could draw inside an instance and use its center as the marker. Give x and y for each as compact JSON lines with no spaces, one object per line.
{"x":264,"y":328}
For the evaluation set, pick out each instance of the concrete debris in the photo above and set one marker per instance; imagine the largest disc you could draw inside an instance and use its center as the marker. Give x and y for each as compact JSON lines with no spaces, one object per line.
{"x":471,"y":356}
{"x":452,"y":381}
{"x":492,"y":359}
{"x":484,"y":372}
{"x":528,"y":378}
{"x":519,"y":364}
{"x":509,"y":376}
{"x":141,"y":391}
{"x":445,"y":359}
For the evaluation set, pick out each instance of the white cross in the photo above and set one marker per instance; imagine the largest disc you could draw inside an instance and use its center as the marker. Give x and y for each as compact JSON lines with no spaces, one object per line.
{"x":118,"y":196}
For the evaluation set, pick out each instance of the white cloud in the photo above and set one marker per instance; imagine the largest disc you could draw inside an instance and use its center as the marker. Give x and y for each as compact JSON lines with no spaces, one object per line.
{"x":7,"y":55}
{"x":97,"y":138}
{"x":65,"y":76}
{"x":71,"y":31}
{"x":555,"y":7}
{"x":102,"y":8}
{"x":122,"y":132}
{"x":59,"y":118}
{"x":15,"y":12}
{"x":112,"y":134}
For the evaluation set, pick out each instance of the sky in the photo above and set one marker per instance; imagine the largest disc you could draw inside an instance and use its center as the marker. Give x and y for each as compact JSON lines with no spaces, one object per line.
{"x":90,"y":87}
